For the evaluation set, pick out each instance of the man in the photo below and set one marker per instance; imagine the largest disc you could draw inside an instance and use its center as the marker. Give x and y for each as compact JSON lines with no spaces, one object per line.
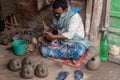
{"x":69,"y":42}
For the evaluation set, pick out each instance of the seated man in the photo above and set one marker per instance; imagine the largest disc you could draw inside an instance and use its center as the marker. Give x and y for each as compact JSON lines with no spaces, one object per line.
{"x":69,"y":43}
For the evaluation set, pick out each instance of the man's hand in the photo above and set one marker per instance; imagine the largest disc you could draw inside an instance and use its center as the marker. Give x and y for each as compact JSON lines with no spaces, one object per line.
{"x":48,"y":29}
{"x":49,"y":35}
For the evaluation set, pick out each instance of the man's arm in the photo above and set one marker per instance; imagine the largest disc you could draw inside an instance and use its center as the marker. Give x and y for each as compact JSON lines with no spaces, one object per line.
{"x":50,"y":36}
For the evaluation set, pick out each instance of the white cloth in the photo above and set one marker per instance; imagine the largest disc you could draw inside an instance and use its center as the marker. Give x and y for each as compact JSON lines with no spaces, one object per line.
{"x":75,"y":26}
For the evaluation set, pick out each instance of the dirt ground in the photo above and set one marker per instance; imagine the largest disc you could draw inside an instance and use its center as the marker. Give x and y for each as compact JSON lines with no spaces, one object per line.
{"x":107,"y":71}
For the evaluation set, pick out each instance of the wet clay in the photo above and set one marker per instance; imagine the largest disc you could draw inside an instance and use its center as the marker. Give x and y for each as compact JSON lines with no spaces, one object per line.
{"x":14,"y":64}
{"x":41,"y":70}
{"x":27,"y":72}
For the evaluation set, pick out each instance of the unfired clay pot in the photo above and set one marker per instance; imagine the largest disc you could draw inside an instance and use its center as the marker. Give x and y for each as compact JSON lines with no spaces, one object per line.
{"x":27,"y":61}
{"x":45,"y":41}
{"x":93,"y":63}
{"x":27,"y":72}
{"x":41,"y":70}
{"x":14,"y":64}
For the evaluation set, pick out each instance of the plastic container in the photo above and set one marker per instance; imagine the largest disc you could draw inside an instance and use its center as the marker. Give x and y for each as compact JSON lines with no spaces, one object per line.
{"x":104,"y":48}
{"x":19,"y":47}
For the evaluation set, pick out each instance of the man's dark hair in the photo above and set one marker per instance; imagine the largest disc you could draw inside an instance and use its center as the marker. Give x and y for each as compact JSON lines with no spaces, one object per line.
{"x":60,"y":3}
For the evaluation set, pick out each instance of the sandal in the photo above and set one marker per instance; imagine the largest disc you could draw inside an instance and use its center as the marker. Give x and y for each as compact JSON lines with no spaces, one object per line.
{"x":78,"y":75}
{"x":62,"y":75}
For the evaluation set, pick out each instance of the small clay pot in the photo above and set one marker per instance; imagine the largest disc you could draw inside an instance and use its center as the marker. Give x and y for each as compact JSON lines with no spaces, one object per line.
{"x":27,"y":61}
{"x":55,"y":32}
{"x":45,"y":41}
{"x":27,"y":72}
{"x":94,"y":63}
{"x":14,"y":64}
{"x":41,"y":70}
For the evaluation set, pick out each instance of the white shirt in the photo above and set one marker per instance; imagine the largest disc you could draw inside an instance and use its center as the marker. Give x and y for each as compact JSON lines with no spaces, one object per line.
{"x":75,"y":26}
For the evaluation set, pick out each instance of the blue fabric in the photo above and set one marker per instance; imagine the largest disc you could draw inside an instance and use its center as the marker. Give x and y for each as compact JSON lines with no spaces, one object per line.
{"x":76,"y":9}
{"x":62,"y":75}
{"x":79,"y":40}
{"x":74,"y":51}
{"x":78,"y":75}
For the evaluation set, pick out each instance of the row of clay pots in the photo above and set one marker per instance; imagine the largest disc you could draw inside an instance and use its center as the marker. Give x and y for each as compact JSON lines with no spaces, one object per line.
{"x":27,"y":68}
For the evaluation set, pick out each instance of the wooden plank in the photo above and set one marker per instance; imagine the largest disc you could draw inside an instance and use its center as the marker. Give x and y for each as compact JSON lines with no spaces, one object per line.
{"x":105,"y":21}
{"x":115,"y":59}
{"x":95,"y":23}
{"x":107,"y":17}
{"x":88,"y":17}
{"x":102,"y":24}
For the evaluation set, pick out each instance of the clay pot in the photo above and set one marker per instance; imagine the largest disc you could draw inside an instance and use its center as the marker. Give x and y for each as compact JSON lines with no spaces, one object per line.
{"x":14,"y":64}
{"x":93,"y":63}
{"x":27,"y":61}
{"x":27,"y":72}
{"x":45,"y":41}
{"x":55,"y":32}
{"x":41,"y":70}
